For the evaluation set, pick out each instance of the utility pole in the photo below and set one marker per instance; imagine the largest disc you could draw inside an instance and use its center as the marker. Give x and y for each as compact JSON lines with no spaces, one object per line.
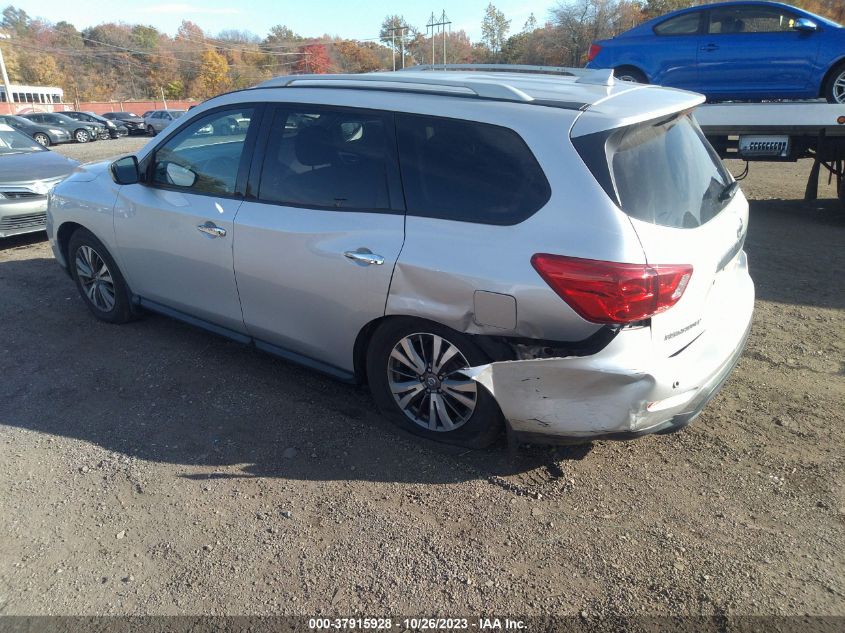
{"x":401,"y":30}
{"x":438,"y":27}
{"x":162,"y":97}
{"x":132,"y":78}
{"x":6,"y":84}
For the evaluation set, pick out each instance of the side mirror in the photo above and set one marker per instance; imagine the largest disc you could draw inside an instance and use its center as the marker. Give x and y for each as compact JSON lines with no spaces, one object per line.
{"x":124,"y":171}
{"x":805,"y":24}
{"x":180,"y":176}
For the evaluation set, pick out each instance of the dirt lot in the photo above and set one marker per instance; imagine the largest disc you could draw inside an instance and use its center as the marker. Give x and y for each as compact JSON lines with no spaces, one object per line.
{"x":156,"y":469}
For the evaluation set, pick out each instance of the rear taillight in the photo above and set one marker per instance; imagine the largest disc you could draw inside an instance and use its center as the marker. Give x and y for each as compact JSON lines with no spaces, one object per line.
{"x":595,"y":49}
{"x":608,"y":292}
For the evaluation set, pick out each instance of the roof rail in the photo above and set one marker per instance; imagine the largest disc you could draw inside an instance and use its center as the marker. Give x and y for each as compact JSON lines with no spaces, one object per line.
{"x":481,"y":87}
{"x":520,"y":68}
{"x":599,"y":77}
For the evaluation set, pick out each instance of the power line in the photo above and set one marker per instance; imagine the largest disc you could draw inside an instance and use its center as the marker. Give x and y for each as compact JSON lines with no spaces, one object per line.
{"x":442,"y":24}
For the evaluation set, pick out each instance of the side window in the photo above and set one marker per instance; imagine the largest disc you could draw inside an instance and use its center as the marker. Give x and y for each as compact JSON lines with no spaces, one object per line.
{"x":686,"y":24}
{"x":467,"y":171}
{"x":325,"y":158}
{"x":204,"y":156}
{"x":750,"y":19}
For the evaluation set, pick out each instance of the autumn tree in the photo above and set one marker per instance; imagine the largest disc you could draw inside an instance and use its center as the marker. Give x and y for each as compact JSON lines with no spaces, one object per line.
{"x":315,"y":59}
{"x":351,"y":57}
{"x":213,"y":75}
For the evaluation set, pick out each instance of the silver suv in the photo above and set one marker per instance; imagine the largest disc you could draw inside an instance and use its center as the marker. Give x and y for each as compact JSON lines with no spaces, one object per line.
{"x":555,"y":253}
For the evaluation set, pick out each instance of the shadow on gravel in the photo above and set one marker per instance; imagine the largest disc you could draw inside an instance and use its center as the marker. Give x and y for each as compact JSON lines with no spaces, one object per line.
{"x":796,"y":253}
{"x":27,"y":239}
{"x":162,"y":391}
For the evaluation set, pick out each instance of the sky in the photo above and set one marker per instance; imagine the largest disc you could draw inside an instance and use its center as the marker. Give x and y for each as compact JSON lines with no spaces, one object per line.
{"x":349,"y":19}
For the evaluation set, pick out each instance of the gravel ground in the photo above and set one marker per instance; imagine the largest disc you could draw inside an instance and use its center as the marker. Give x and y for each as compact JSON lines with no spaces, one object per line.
{"x":101,"y":150}
{"x":156,"y":469}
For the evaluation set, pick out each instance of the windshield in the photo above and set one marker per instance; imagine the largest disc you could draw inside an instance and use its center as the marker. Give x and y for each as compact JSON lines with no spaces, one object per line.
{"x":13,"y":142}
{"x":666,"y":173}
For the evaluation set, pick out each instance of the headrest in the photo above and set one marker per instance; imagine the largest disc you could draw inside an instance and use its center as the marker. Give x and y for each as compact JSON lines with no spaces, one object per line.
{"x":314,"y":146}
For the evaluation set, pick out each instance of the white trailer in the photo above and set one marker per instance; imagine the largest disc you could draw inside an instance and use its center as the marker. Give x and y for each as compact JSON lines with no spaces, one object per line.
{"x":779,"y":132}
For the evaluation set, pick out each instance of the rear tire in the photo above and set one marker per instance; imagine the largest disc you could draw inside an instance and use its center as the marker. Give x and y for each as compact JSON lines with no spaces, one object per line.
{"x":98,"y":278}
{"x":834,"y":87}
{"x":42,"y":139}
{"x":439,"y":402}
{"x":629,"y":73}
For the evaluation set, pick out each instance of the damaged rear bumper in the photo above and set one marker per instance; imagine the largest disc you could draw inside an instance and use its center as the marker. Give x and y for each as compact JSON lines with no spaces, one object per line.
{"x":623,"y":391}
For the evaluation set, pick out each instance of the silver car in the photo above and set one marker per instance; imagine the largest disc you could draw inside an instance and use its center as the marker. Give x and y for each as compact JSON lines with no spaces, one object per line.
{"x":561,"y":255}
{"x":157,"y":120}
{"x":27,"y":172}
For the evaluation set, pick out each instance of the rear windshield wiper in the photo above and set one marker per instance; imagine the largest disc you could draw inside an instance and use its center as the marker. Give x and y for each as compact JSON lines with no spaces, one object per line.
{"x":729,"y":191}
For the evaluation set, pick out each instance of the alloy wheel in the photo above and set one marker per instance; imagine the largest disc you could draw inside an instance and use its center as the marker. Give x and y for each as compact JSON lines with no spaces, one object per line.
{"x":839,"y":88}
{"x":424,"y":376}
{"x":95,"y":278}
{"x":42,"y":139}
{"x":82,"y":136}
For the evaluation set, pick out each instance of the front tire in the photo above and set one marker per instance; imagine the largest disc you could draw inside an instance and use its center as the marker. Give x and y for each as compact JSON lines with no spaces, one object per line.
{"x":82,"y":136}
{"x":834,"y":88}
{"x":42,"y":139}
{"x":151,"y":131}
{"x":629,"y":73}
{"x":414,"y":372}
{"x":98,"y":278}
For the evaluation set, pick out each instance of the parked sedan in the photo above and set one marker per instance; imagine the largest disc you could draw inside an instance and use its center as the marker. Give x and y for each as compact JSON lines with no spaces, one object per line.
{"x":733,"y":51}
{"x":157,"y":120}
{"x":81,"y":131}
{"x":133,"y":123}
{"x":113,"y":129}
{"x":27,"y":173}
{"x":44,"y":135}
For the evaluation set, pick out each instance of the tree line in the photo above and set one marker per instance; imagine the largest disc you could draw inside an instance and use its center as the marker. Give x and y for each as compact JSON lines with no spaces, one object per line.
{"x":119,"y":61}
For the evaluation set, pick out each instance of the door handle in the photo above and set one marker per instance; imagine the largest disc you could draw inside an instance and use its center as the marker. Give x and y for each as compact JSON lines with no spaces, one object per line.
{"x":709,"y":48}
{"x":364,"y":256}
{"x":211,"y":229}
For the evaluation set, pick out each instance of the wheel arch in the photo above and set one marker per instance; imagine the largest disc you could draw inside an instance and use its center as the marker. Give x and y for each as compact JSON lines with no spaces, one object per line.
{"x":834,"y":66}
{"x":634,"y":67}
{"x":362,"y":343}
{"x":493,"y":348}
{"x":63,"y":239}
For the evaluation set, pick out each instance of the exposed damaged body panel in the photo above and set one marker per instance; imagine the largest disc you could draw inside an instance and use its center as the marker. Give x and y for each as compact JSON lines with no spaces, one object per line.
{"x":626,"y":389}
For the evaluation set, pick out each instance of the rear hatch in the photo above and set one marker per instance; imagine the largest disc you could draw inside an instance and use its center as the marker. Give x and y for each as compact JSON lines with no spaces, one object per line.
{"x":685,"y":208}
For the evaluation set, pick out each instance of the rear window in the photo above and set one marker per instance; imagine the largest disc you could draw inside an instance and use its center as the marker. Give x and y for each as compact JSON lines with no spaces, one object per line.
{"x":467,"y":171}
{"x":686,"y":24}
{"x":665,"y":173}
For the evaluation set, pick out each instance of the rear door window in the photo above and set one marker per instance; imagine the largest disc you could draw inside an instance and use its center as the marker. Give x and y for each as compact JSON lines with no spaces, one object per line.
{"x":468,"y":171}
{"x":686,"y":24}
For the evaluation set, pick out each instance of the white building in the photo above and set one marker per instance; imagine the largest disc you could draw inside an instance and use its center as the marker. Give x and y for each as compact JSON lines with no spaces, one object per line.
{"x":32,"y":94}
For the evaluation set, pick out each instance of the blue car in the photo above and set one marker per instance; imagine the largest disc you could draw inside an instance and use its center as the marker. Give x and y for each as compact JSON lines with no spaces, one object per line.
{"x":733,"y":51}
